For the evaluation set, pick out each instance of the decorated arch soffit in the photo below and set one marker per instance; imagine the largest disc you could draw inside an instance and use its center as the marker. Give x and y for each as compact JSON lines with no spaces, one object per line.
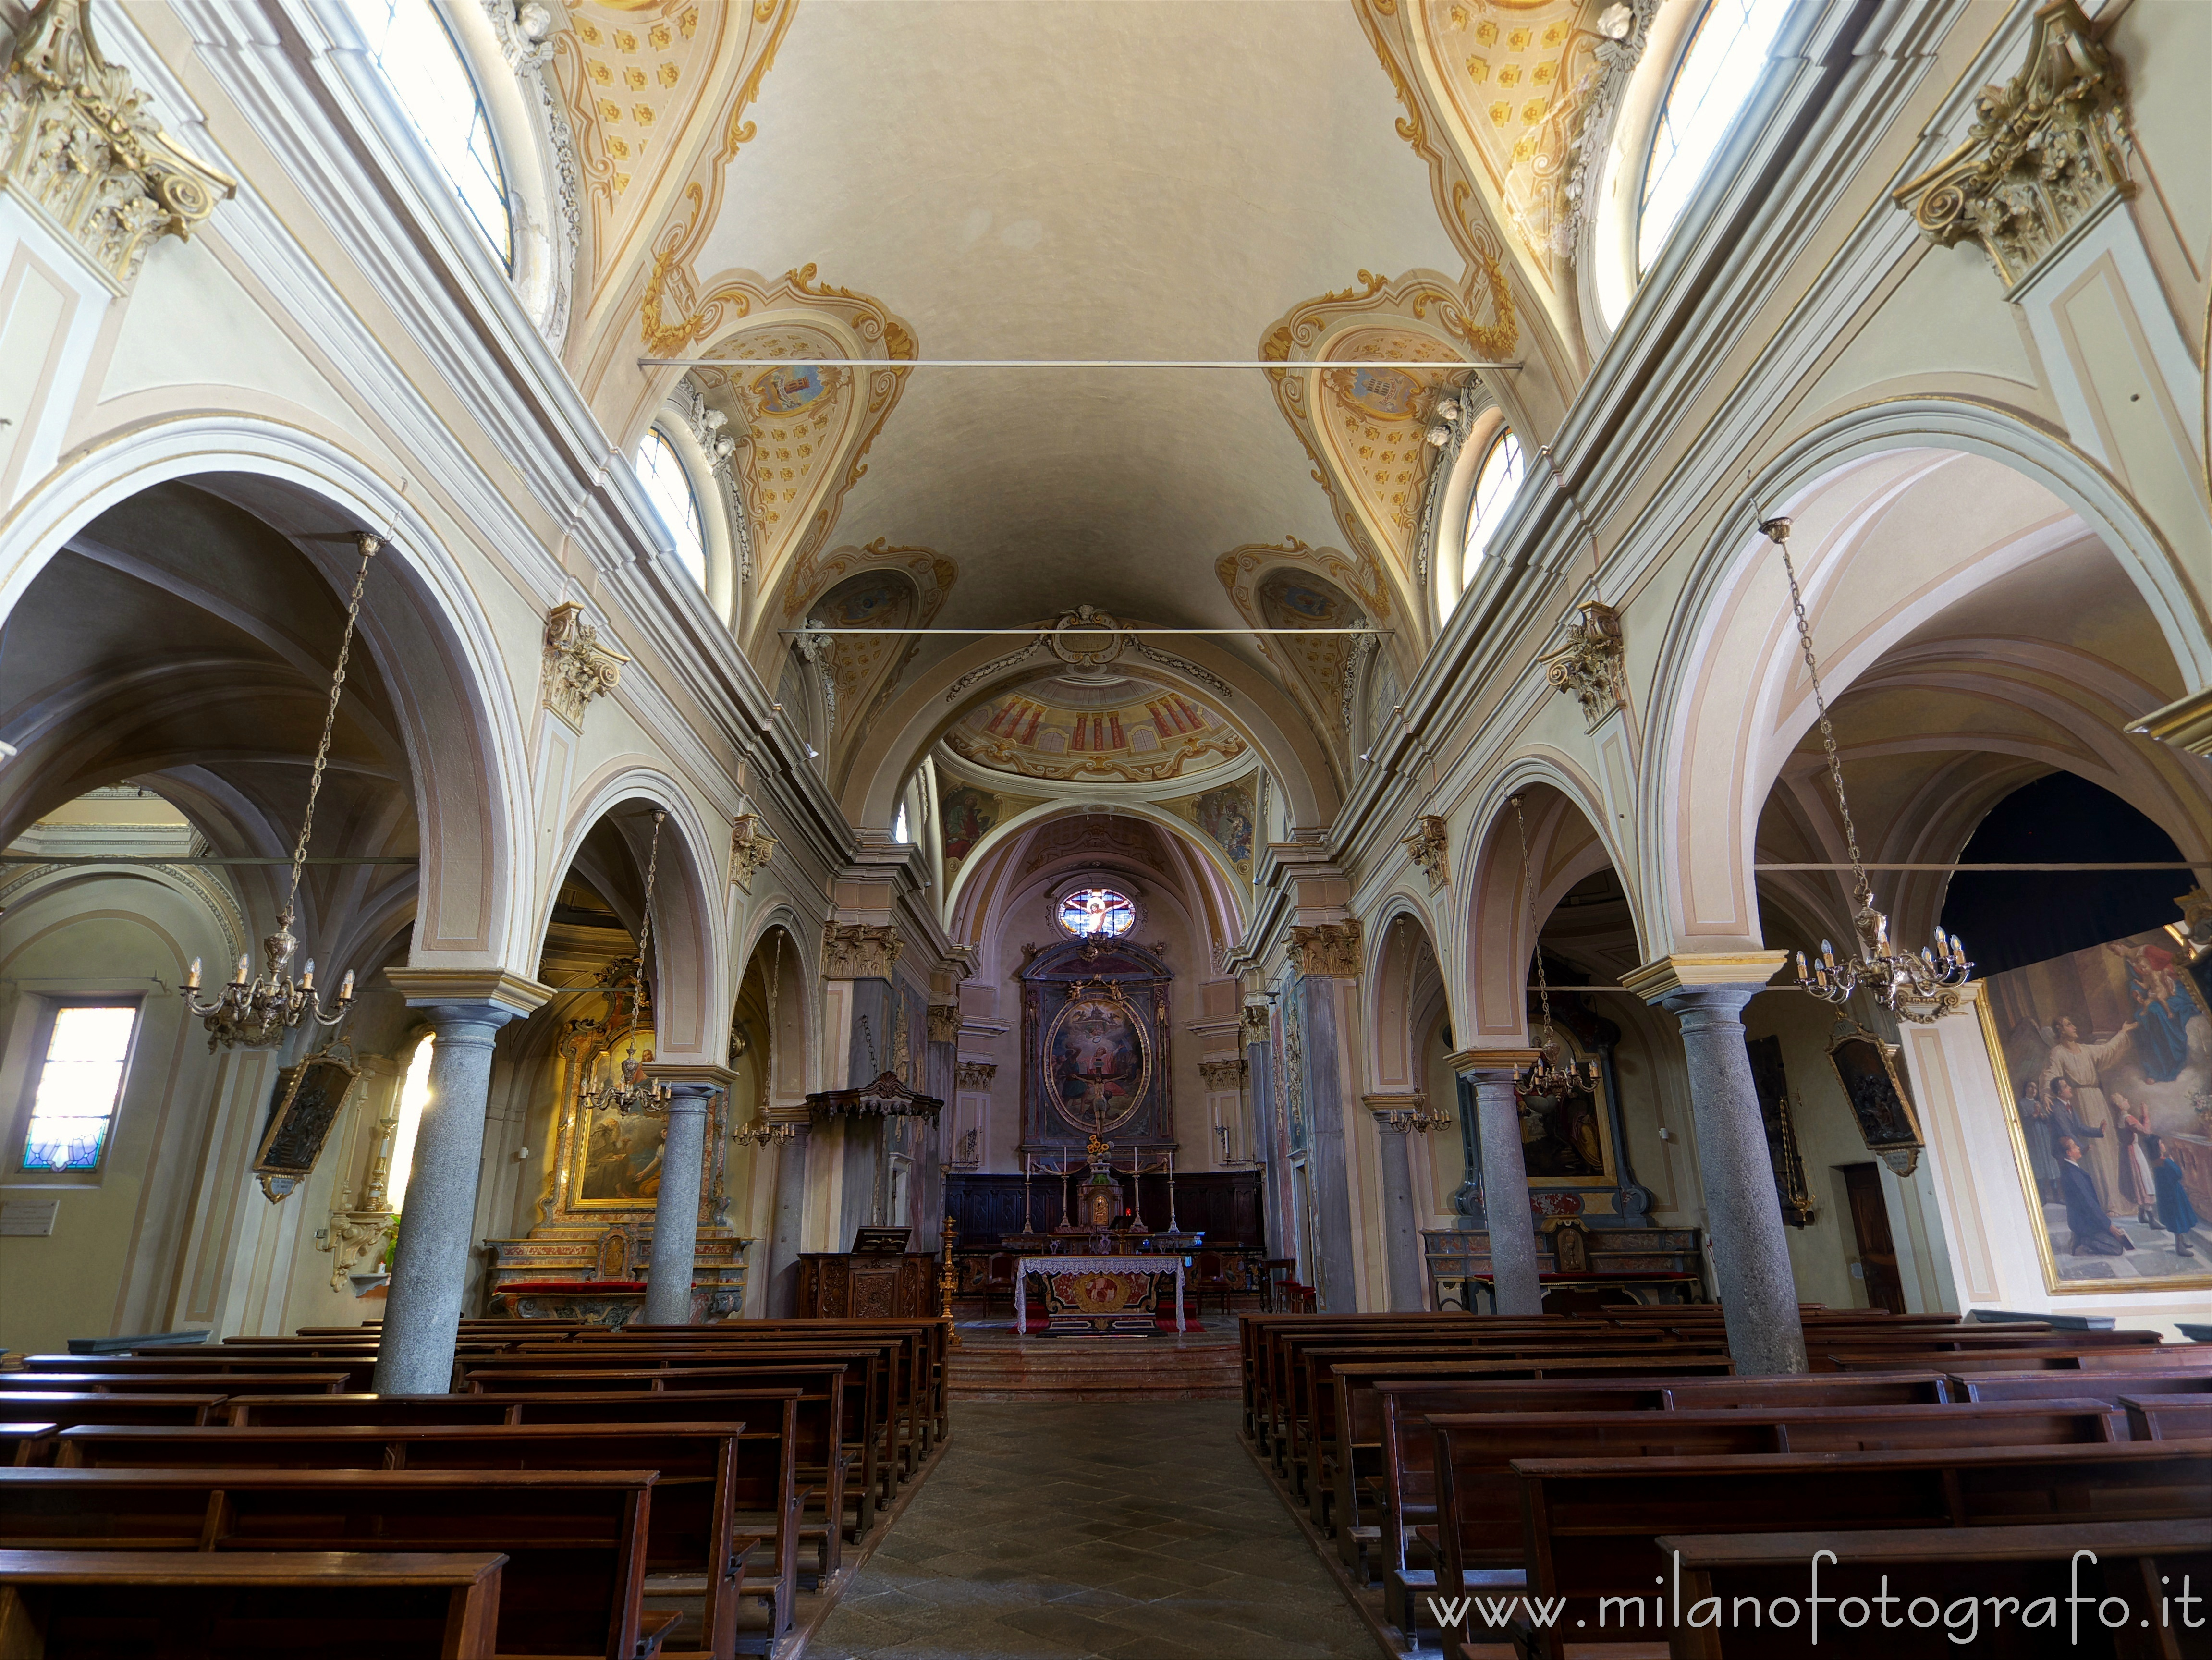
{"x":1291,"y":585}
{"x":1499,"y":96}
{"x":882,"y":590}
{"x":802,"y":430}
{"x":656,"y":93}
{"x":1365,"y":428}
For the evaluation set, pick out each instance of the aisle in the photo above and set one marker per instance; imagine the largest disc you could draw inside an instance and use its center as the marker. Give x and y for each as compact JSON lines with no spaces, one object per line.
{"x":1057,"y":1531}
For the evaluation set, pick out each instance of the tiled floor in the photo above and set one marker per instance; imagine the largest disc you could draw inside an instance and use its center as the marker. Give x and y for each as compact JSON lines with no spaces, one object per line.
{"x":1057,"y":1531}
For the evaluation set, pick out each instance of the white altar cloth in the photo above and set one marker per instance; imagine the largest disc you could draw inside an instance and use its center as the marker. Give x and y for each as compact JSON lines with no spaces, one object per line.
{"x":1026,"y":1265}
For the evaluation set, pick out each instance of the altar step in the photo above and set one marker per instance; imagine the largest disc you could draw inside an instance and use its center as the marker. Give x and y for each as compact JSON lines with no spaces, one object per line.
{"x":991,"y":1364}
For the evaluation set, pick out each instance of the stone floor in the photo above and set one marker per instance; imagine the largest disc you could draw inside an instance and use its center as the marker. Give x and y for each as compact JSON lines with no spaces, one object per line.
{"x":1053,"y":1531}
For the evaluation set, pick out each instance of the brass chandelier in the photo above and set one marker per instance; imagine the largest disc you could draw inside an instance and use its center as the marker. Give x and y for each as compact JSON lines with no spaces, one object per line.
{"x":255,"y":1011}
{"x":1544,"y":1075}
{"x":1922,"y":989}
{"x":631,"y":1091}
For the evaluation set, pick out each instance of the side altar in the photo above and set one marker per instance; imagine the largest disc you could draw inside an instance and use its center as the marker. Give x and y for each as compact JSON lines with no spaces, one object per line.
{"x":585,"y":1258}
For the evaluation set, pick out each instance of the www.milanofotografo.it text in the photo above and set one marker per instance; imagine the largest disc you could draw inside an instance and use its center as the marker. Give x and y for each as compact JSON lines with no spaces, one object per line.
{"x":1962,"y":1619}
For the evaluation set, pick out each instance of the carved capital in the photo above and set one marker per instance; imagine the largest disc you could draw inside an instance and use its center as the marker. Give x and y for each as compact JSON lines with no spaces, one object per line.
{"x":751,"y":847}
{"x":976,"y":1074}
{"x":77,"y":143}
{"x":1330,"y":948}
{"x":1222,"y":1074}
{"x":2047,"y":150}
{"x":1588,"y":664}
{"x":1425,"y":847}
{"x":944,"y":1023}
{"x":578,"y":668}
{"x":1254,"y":1023}
{"x":860,"y":950}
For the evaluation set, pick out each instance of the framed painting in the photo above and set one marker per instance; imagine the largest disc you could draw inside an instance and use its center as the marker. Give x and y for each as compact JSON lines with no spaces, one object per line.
{"x":2104,"y":1060}
{"x":1867,"y":1068}
{"x":307,"y":1101}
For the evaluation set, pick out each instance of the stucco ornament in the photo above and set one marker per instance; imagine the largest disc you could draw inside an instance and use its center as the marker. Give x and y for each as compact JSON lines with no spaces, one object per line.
{"x":751,"y":847}
{"x":1426,"y":845}
{"x":858,"y":951}
{"x":578,"y":668}
{"x":78,"y":144}
{"x":1589,"y":664}
{"x":2047,"y":150}
{"x":1331,"y":948}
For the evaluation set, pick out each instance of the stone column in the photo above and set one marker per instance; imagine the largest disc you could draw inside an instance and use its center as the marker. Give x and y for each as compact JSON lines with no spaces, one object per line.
{"x":1325,"y":956}
{"x":1401,"y":1221}
{"x":676,"y":1209}
{"x":781,"y":1301}
{"x":1267,"y":1143}
{"x":1743,"y":1215}
{"x":940,"y":1077}
{"x":430,"y":1265}
{"x":1514,"y":1288}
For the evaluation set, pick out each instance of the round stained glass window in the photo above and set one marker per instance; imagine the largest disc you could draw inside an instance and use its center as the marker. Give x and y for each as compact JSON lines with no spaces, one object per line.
{"x":1097,"y":911}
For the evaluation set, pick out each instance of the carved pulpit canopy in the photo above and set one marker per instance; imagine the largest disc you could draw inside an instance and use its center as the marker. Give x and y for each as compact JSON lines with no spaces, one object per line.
{"x":887,"y":1097}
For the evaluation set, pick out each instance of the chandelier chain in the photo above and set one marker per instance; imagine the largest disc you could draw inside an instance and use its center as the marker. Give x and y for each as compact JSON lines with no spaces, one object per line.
{"x":369,"y":545}
{"x":1862,"y":889}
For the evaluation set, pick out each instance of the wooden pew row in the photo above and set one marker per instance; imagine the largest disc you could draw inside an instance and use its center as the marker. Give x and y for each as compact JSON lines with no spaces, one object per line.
{"x":573,"y":1585}
{"x":2154,"y":1356}
{"x":690,"y":1530}
{"x":2143,"y":1563}
{"x":1478,"y":1541}
{"x":66,"y":1408}
{"x":788,"y":1428}
{"x":863,"y":1435}
{"x":186,"y":1605}
{"x":1591,"y":1525}
{"x":1979,"y":1386}
{"x":13,"y":1383}
{"x":25,"y":1442}
{"x":1381,"y":1415}
{"x":2168,"y":1418}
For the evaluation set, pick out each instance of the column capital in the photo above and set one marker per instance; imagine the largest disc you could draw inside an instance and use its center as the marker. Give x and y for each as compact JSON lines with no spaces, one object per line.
{"x":494,"y":992}
{"x":703,"y":1074}
{"x":1472,"y":1063}
{"x":1326,"y":948}
{"x":1700,"y":971}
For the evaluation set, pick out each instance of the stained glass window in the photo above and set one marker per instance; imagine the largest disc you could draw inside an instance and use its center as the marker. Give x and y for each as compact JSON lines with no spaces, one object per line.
{"x":1494,"y":487}
{"x":1096,"y":910}
{"x":660,"y":470}
{"x":1722,"y":65}
{"x":432,"y":81}
{"x":78,"y":1087}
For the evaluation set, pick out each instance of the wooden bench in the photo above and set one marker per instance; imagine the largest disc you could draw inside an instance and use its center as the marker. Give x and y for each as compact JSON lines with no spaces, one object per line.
{"x":2168,"y":1417}
{"x":574,"y":1579}
{"x":1750,"y":1573}
{"x":1590,"y":1525}
{"x":2095,"y":1385}
{"x":13,"y":1384}
{"x":691,"y":1531}
{"x":360,"y":1369}
{"x":24,"y":1443}
{"x":183,"y":1605}
{"x":65,"y":1409}
{"x":2149,"y":1357}
{"x":1407,"y":1456}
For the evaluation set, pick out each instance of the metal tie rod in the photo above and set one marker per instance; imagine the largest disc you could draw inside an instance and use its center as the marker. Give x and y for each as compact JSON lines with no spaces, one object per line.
{"x":2156,"y":864}
{"x":1067,"y":363}
{"x":159,"y":859}
{"x":1077,"y":628}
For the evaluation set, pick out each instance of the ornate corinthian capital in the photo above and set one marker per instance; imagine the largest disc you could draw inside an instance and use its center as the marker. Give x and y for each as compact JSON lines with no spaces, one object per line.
{"x":858,"y":951}
{"x":578,"y":668}
{"x":1331,"y":948}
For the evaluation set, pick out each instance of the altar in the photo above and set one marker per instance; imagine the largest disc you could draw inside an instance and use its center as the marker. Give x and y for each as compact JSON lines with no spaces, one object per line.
{"x":1098,"y":1296}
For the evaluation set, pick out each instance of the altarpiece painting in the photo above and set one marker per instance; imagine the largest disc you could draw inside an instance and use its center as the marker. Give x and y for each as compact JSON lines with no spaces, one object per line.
{"x":1095,"y":1045}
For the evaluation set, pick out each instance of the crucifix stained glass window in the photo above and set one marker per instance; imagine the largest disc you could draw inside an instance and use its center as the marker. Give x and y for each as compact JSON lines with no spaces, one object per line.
{"x":1097,"y":911}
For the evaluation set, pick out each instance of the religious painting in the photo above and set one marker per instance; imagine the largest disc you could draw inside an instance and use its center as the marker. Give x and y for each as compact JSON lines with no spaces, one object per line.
{"x":1095,"y":1049}
{"x":305,"y":1103}
{"x":1226,"y":814}
{"x":1565,"y":1136}
{"x":1867,"y":1068}
{"x":1384,"y":394}
{"x":1288,"y":596}
{"x":967,"y":815}
{"x":2104,"y":1057}
{"x":616,"y":1156}
{"x":787,"y":388}
{"x":857,"y":604}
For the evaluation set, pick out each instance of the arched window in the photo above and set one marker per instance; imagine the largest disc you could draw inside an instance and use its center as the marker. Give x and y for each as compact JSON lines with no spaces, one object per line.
{"x":899,"y":832}
{"x":668,"y":487}
{"x":1495,"y":483}
{"x":431,"y":79}
{"x":1716,"y":72}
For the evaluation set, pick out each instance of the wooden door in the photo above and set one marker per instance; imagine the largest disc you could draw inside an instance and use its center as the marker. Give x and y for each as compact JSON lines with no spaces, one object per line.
{"x":1870,"y":1225}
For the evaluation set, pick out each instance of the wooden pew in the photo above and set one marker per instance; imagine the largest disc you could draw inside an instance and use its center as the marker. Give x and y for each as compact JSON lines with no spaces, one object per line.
{"x":23,"y":1443}
{"x":1407,"y":1454}
{"x":186,"y":1605}
{"x":788,"y":1430}
{"x":360,"y":1369}
{"x":196,"y":1383}
{"x":2089,"y":1385}
{"x":1590,"y":1525}
{"x":574,"y":1579}
{"x":2128,"y":1559}
{"x":863,"y":1431}
{"x":2168,"y":1417}
{"x":691,"y":1531}
{"x":2165,"y":1357}
{"x":65,"y":1409}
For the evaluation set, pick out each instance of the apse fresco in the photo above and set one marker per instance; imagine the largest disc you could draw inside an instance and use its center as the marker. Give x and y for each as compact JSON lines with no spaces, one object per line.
{"x":2105,"y":1056}
{"x":1132,"y":732}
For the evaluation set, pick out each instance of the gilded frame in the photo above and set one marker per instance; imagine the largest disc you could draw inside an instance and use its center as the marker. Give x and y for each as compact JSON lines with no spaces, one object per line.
{"x":293,"y":1137}
{"x":2032,"y":1203}
{"x":1899,"y":1150}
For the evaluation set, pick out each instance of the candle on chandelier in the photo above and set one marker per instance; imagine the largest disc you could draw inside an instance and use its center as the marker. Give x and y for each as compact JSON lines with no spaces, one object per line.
{"x":1827,"y":955}
{"x":345,"y":987}
{"x":239,"y":979}
{"x":192,"y":976}
{"x":308,"y":975}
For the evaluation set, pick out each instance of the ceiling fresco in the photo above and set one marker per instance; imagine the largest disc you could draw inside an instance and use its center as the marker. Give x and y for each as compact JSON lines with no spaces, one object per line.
{"x":1111,"y":729}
